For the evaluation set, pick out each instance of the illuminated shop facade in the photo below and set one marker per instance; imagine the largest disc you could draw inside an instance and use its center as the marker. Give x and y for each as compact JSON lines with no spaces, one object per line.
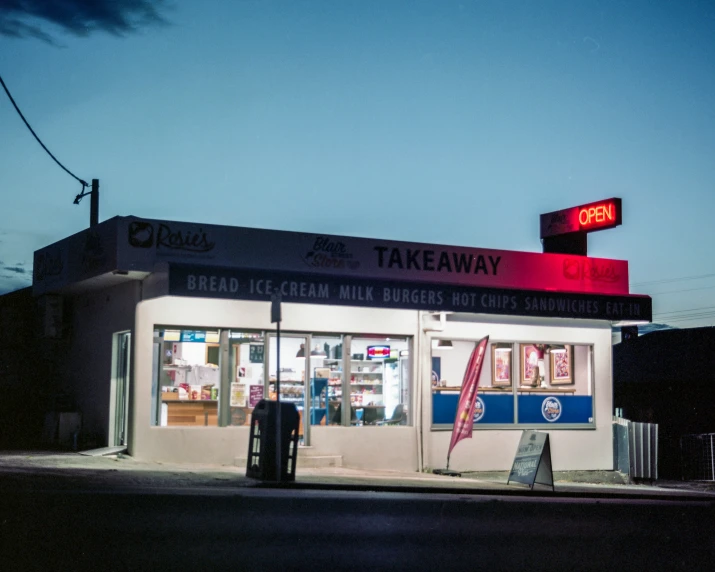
{"x":173,"y":345}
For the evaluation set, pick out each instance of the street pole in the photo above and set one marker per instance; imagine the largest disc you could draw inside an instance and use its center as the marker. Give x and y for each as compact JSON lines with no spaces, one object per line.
{"x":276,"y":317}
{"x":94,"y":204}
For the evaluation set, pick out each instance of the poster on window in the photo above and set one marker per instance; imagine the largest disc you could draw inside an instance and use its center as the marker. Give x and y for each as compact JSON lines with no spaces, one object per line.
{"x":255,"y":353}
{"x":561,"y":366}
{"x":238,"y":395}
{"x":255,"y":395}
{"x":501,"y":366}
{"x":530,"y":356}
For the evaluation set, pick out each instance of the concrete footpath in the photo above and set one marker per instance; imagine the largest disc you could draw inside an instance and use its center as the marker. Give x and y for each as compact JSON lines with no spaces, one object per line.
{"x":35,"y":470}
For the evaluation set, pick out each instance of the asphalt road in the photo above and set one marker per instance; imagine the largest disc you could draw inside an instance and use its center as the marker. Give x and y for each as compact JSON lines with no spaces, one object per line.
{"x":269,"y":529}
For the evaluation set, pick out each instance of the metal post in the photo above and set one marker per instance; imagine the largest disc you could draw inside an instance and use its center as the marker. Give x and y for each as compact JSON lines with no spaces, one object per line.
{"x":276,"y":317}
{"x":94,"y":204}
{"x":279,"y":435}
{"x":278,"y":361}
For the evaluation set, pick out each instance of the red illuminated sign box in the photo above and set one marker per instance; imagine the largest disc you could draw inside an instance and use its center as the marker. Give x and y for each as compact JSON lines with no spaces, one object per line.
{"x":378,"y":352}
{"x":585,"y":218}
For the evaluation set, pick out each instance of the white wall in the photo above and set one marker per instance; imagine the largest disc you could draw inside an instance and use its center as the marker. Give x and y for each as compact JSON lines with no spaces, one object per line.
{"x":494,"y":449}
{"x":396,"y":448}
{"x":87,"y":375}
{"x":361,"y":447}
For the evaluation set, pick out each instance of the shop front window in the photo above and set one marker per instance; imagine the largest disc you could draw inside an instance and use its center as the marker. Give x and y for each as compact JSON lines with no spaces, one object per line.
{"x":326,"y":380}
{"x":323,"y":373}
{"x":379,"y":382}
{"x":529,"y":383}
{"x":247,"y":386}
{"x":332,"y":379}
{"x":186,"y":378}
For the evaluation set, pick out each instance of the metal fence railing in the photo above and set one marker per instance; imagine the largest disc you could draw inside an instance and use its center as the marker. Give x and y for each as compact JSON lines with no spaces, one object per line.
{"x":636,"y":449}
{"x":697,"y":457}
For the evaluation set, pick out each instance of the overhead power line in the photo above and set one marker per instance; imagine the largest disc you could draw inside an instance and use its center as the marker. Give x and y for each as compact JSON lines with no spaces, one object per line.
{"x":677,"y":312}
{"x":681,"y":291}
{"x":708,"y":316}
{"x":7,"y":91}
{"x":669,"y":280}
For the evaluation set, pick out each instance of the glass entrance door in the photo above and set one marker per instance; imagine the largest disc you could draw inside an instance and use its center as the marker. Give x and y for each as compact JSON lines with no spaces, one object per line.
{"x":245,"y":379}
{"x":288,"y":363}
{"x":121,"y":387}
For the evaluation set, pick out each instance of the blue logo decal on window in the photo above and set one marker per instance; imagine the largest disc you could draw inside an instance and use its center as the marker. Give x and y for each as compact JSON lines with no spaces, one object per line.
{"x":551,"y":409}
{"x":478,"y":409}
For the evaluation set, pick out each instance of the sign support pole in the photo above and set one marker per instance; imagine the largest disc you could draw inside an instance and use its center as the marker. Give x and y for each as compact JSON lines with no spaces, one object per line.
{"x":276,"y":317}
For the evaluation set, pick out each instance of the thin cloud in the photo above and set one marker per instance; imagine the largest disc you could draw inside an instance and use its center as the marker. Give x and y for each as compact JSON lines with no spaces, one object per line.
{"x":14,"y":28}
{"x":12,"y":283}
{"x":15,"y":269}
{"x":27,"y":18}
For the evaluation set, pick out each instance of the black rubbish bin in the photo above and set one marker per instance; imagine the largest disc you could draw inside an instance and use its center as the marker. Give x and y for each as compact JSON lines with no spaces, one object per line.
{"x":262,"y":463}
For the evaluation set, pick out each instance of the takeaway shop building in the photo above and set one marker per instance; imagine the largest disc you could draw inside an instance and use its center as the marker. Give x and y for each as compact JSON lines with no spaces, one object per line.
{"x":172,"y":343}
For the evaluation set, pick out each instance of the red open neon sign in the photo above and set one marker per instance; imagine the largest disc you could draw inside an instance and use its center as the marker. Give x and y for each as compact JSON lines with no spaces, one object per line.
{"x":585,"y":218}
{"x":597,"y":215}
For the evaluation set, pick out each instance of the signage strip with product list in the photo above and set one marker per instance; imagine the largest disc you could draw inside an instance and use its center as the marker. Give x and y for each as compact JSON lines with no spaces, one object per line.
{"x":248,"y":284}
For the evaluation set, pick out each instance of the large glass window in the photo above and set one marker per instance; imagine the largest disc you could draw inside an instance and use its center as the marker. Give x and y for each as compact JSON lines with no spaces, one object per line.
{"x":379,"y":381}
{"x":215,"y":378}
{"x":528,"y":383}
{"x":186,"y":378}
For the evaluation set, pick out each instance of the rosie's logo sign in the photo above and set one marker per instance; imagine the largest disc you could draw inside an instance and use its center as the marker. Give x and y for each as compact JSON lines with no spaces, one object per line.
{"x":142,"y":235}
{"x":589,"y":270}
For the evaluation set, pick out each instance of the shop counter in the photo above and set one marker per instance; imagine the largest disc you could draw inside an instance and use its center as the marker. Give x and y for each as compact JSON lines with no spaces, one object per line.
{"x":191,"y":412}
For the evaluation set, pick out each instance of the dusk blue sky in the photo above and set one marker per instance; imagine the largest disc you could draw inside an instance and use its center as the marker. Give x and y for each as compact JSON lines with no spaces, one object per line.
{"x":445,"y":122}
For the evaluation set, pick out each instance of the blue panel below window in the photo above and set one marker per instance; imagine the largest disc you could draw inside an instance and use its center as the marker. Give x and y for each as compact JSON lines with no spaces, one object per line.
{"x":494,"y":408}
{"x":555,"y":409}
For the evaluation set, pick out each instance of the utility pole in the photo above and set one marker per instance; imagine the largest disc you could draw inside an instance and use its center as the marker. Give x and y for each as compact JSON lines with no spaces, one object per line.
{"x":94,"y":204}
{"x":94,"y":201}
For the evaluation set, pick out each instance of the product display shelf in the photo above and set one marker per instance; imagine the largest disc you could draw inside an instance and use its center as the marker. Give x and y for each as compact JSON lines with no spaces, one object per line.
{"x":366,"y":383}
{"x":292,"y":391}
{"x":354,"y":362}
{"x":319,"y":392}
